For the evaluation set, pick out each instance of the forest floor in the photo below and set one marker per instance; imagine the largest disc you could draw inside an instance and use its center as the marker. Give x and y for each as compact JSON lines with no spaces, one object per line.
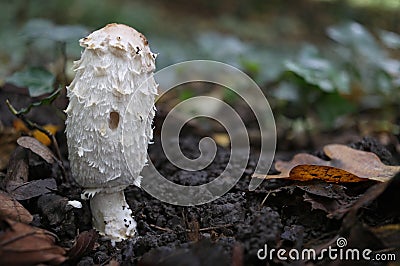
{"x":228,"y":231}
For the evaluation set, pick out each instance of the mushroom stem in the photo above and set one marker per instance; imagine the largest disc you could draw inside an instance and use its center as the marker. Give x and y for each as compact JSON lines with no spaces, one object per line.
{"x":111,"y":215}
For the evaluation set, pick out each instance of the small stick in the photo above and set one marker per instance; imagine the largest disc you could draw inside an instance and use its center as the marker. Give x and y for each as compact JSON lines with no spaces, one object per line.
{"x":265,"y":199}
{"x":161,"y":228}
{"x":32,"y":125}
{"x":215,"y":227}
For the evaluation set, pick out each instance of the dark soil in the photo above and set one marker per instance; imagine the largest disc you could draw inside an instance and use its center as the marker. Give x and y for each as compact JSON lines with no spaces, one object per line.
{"x":234,"y":226}
{"x":227,"y":231}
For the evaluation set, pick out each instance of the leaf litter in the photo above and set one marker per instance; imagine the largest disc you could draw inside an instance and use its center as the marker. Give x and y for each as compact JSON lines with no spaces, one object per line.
{"x":346,"y":165}
{"x":280,"y":221}
{"x":22,"y":244}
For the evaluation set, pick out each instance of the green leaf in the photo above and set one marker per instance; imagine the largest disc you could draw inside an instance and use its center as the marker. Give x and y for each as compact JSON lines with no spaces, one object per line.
{"x":351,"y":34}
{"x":38,"y":80}
{"x":331,"y":106}
{"x":356,"y":37}
{"x":42,"y":28}
{"x":390,"y":39}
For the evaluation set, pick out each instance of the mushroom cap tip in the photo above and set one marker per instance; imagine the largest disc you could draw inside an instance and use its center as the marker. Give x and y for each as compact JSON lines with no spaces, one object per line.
{"x":119,"y":32}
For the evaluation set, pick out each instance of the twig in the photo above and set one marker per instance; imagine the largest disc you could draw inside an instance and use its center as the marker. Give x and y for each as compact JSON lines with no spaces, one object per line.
{"x":32,"y":125}
{"x":161,"y":228}
{"x":265,"y":199}
{"x":215,"y":227}
{"x":24,"y":111}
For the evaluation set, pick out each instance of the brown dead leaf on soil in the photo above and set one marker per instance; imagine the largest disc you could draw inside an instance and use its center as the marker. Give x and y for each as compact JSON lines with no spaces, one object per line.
{"x":84,"y":243}
{"x":380,"y":199}
{"x":22,"y":244}
{"x":37,"y":147}
{"x":8,"y":137}
{"x":331,"y":198}
{"x":17,"y":169}
{"x":16,"y":180}
{"x":32,"y":188}
{"x":12,"y":209}
{"x":346,"y":165}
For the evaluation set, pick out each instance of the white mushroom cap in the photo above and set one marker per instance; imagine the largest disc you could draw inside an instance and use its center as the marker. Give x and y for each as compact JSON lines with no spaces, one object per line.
{"x":119,"y":39}
{"x":115,"y":63}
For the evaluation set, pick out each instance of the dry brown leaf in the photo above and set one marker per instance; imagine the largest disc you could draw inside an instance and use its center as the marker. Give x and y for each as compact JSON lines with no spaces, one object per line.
{"x":37,"y":147}
{"x":360,"y":163}
{"x":346,"y":165}
{"x":22,"y":244}
{"x":12,"y":209}
{"x":8,"y":136}
{"x":18,"y":168}
{"x":32,"y":188}
{"x":84,"y":243}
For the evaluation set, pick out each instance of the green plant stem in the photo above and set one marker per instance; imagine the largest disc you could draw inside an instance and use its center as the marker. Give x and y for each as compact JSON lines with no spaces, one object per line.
{"x":32,"y":125}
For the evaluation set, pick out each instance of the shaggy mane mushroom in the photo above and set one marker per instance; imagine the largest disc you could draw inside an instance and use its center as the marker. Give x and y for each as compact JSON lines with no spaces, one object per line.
{"x":115,"y":68}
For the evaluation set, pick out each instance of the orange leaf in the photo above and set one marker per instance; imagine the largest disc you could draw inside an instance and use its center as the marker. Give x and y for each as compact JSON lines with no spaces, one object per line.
{"x":322,"y":172}
{"x":20,"y":126}
{"x":40,"y":136}
{"x":347,"y":163}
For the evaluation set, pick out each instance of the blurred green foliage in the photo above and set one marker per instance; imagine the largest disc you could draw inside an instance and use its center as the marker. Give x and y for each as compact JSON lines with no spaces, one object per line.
{"x":359,"y":69}
{"x":38,"y":80}
{"x":303,"y":72}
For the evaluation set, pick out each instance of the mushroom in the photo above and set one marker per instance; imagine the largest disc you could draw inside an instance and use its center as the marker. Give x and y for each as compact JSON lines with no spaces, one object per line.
{"x":113,"y":91}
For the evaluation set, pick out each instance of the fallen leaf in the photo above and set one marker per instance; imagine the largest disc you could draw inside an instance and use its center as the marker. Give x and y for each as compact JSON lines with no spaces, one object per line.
{"x":22,"y":244}
{"x":331,"y":191}
{"x":43,"y":138}
{"x":328,"y":197}
{"x":37,"y":147}
{"x":8,"y":137}
{"x":330,"y":206}
{"x":84,"y":243}
{"x":12,"y":209}
{"x":18,"y":168}
{"x":20,"y":126}
{"x":385,"y":194}
{"x":322,"y":172}
{"x":360,"y":163}
{"x":32,"y":189}
{"x":346,"y":165}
